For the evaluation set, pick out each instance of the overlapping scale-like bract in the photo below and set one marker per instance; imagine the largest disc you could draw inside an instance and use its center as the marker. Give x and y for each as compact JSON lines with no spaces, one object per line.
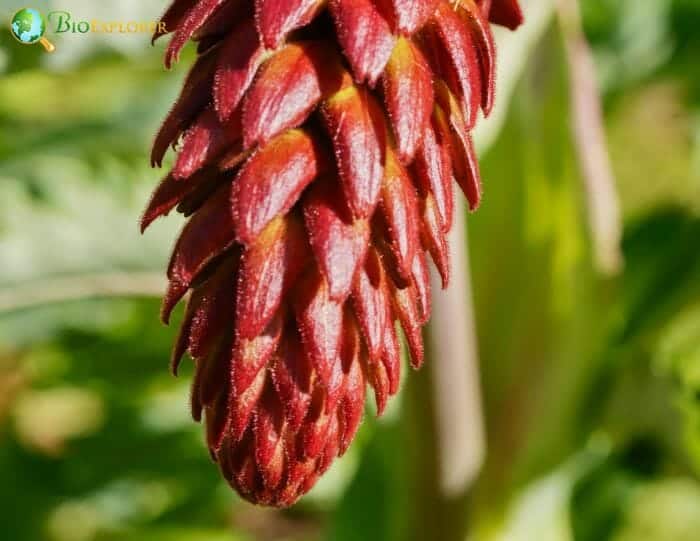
{"x":318,"y":145}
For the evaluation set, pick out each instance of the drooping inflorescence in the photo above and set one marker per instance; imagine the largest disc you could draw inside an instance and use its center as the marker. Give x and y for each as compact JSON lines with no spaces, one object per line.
{"x":318,"y":145}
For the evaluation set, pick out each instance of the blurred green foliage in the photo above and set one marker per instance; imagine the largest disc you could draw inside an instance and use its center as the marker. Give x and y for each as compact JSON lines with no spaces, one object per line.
{"x":591,"y":385}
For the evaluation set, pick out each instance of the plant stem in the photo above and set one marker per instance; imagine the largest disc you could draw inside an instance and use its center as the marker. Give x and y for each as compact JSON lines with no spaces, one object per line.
{"x":81,"y":286}
{"x":452,"y":344}
{"x":589,"y":135}
{"x":443,"y":415}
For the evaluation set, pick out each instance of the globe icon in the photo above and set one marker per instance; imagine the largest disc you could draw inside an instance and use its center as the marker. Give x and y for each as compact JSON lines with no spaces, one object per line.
{"x":28,"y":27}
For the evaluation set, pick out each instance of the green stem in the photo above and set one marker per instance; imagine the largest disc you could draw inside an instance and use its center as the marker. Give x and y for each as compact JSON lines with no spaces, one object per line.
{"x":81,"y":286}
{"x":443,"y":422}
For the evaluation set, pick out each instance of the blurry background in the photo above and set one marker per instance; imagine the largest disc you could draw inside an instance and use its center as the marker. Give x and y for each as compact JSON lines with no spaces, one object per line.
{"x":590,"y":374}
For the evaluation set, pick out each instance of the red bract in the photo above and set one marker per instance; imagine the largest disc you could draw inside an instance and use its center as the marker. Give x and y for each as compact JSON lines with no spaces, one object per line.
{"x":318,"y":146}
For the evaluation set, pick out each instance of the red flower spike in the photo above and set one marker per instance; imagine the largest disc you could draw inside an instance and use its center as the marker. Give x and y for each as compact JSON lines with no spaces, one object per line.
{"x":270,"y":183}
{"x":338,"y":242}
{"x":181,"y":343}
{"x":217,"y":420}
{"x":365,"y":37}
{"x":370,"y":303}
{"x":313,"y":432}
{"x":250,"y":356}
{"x":506,"y":13}
{"x":400,"y":210}
{"x":467,"y":169}
{"x":237,"y":462}
{"x":433,"y":169}
{"x":204,"y":142}
{"x":434,"y":239}
{"x":421,"y":281}
{"x":195,"y":17}
{"x":320,"y":321}
{"x":352,"y":405}
{"x":332,"y":448}
{"x":408,"y":91}
{"x":356,"y":124}
{"x":379,"y":379}
{"x":277,"y":18}
{"x":269,"y":269}
{"x":391,"y":354}
{"x":209,"y":305}
{"x":270,"y":425}
{"x":221,"y":23}
{"x":292,"y":375}
{"x":214,"y":368}
{"x":238,"y":61}
{"x":207,"y":235}
{"x":484,"y":6}
{"x":411,"y":15}
{"x":455,"y":54}
{"x":286,"y":90}
{"x":486,"y":49}
{"x":241,"y":405}
{"x":173,"y":17}
{"x":352,"y":352}
{"x":315,"y":198}
{"x":450,"y":106}
{"x":464,"y":160}
{"x":171,"y":192}
{"x":296,"y":476}
{"x":375,"y":369}
{"x":193,"y":98}
{"x":406,"y":308}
